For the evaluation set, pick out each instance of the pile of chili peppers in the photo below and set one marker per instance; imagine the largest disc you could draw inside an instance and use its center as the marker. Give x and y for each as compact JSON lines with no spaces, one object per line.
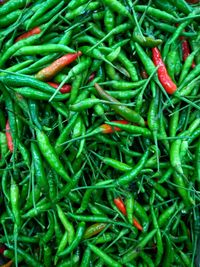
{"x":99,"y":133}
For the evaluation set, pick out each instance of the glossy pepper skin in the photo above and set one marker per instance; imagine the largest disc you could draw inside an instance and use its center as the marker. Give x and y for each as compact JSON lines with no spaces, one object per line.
{"x":50,"y":71}
{"x":169,"y":86}
{"x":186,"y":51}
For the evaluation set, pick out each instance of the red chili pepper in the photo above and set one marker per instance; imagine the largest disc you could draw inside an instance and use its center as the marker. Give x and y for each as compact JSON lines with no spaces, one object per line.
{"x":186,"y":51}
{"x":193,"y":1}
{"x":120,"y":205}
{"x":48,"y":72}
{"x":92,"y":76}
{"x":34,"y":31}
{"x":66,"y":88}
{"x":137,"y":224}
{"x":9,"y":137}
{"x":110,"y":129}
{"x":163,"y":76}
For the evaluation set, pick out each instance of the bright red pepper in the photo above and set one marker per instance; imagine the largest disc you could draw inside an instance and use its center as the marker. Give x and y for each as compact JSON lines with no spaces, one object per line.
{"x":120,"y":205}
{"x":137,"y":224}
{"x":163,"y":76}
{"x":66,"y":88}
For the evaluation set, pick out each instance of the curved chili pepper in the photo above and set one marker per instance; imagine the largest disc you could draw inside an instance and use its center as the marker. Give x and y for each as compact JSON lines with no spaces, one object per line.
{"x":169,"y":86}
{"x":48,"y":72}
{"x":120,"y":205}
{"x":66,"y":88}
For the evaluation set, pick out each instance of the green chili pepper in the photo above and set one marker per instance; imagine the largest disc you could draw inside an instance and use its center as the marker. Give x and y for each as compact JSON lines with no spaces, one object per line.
{"x":79,"y":235}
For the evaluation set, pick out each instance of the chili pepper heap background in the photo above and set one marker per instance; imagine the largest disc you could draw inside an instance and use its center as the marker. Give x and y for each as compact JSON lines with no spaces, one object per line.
{"x":99,"y":133}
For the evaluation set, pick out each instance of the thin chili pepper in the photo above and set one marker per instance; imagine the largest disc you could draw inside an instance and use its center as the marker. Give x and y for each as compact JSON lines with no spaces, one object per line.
{"x":86,"y":258}
{"x":163,"y":76}
{"x":27,"y":258}
{"x":125,"y":112}
{"x":79,"y":235}
{"x":186,"y":51}
{"x":39,"y":169}
{"x":50,"y":71}
{"x":130,"y":175}
{"x":85,"y":200}
{"x":182,"y":6}
{"x":107,"y":259}
{"x":129,"y":256}
{"x":43,"y":49}
{"x":9,"y":137}
{"x":50,"y":155}
{"x":64,"y":89}
{"x":116,"y":6}
{"x":120,"y":205}
{"x":68,"y":226}
{"x":137,"y":224}
{"x":145,"y":41}
{"x":159,"y":14}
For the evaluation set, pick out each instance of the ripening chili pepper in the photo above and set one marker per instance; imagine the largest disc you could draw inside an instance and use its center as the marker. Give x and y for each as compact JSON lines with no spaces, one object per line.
{"x":137,"y":224}
{"x":66,"y":88}
{"x":106,"y":129}
{"x":169,"y":86}
{"x":120,"y":205}
{"x":193,"y":1}
{"x":123,"y":111}
{"x":50,"y":71}
{"x":116,"y":6}
{"x":94,"y":229}
{"x":34,"y":31}
{"x":186,"y":51}
{"x":9,"y":137}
